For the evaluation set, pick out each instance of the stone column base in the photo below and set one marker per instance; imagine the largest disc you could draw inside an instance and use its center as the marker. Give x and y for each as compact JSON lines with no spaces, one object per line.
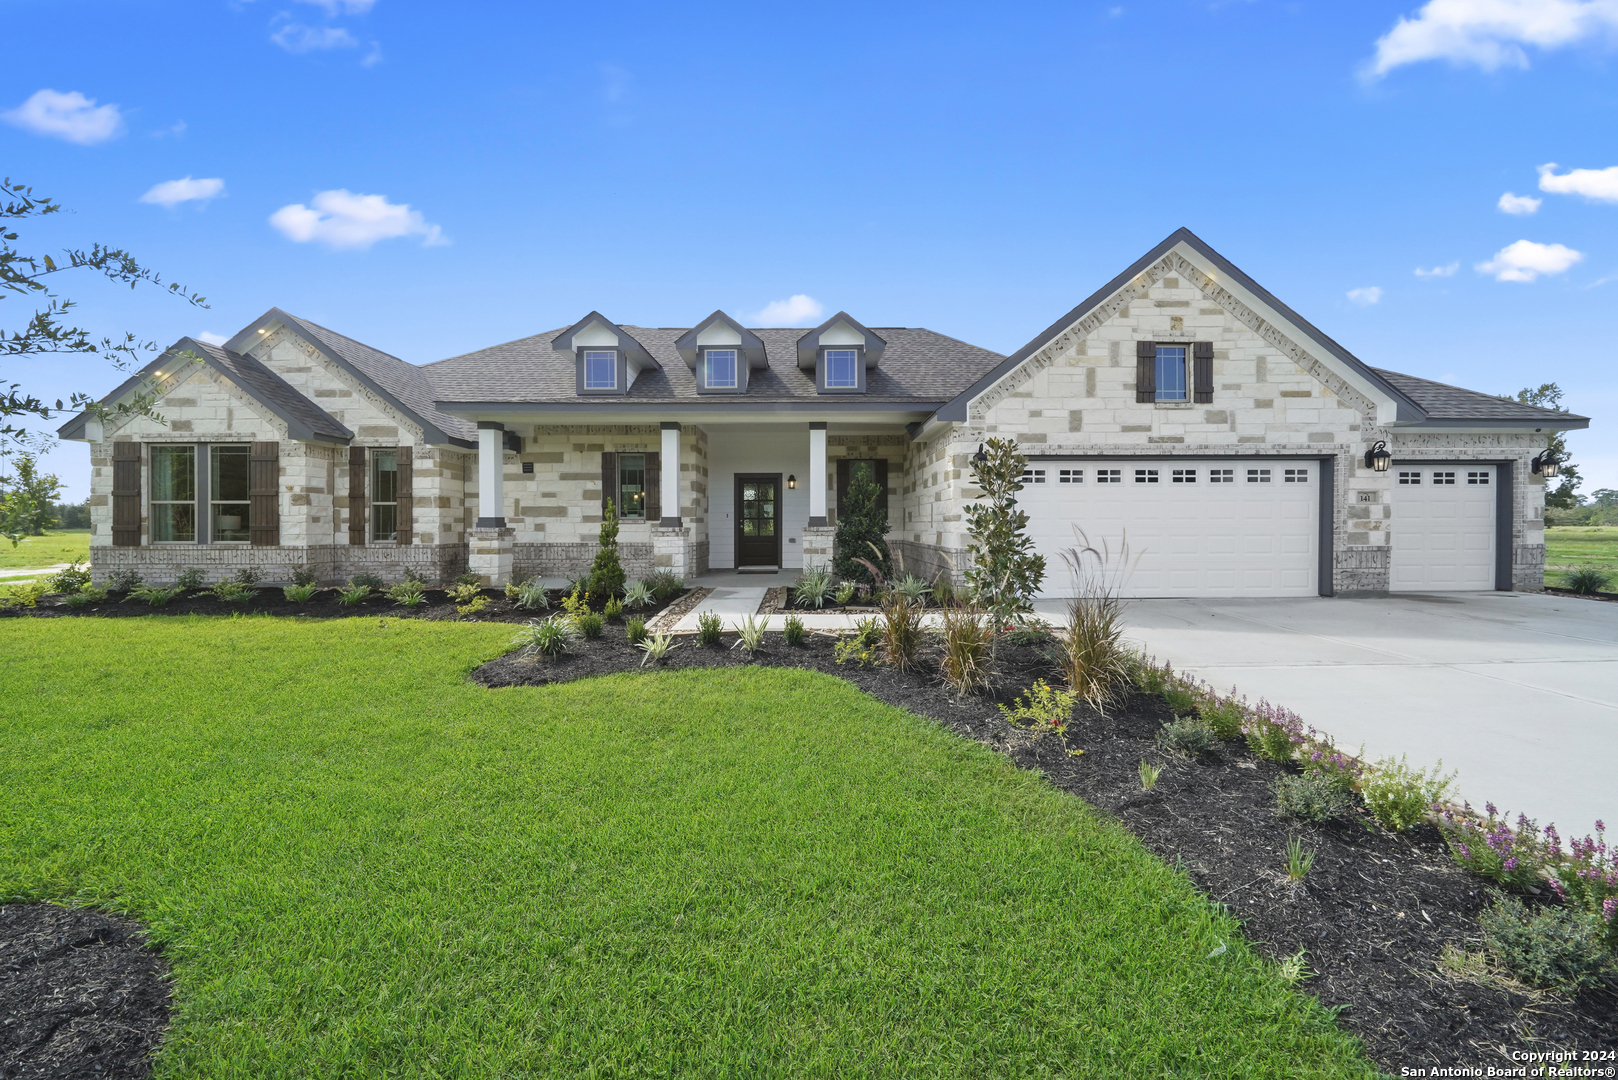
{"x":817,"y":547}
{"x":489,"y":555}
{"x":673,"y":551}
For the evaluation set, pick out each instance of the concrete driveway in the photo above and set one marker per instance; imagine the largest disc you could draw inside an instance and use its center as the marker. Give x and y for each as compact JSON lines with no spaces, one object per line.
{"x":1518,"y":692}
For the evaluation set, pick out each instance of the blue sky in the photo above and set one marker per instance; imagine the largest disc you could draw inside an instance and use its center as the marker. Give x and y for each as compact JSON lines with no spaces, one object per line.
{"x":433,"y":180}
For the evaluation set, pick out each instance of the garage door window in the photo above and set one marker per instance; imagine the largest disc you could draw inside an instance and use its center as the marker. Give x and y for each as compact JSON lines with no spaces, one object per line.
{"x":1033,"y":476}
{"x":1145,"y":476}
{"x":1185,"y":476}
{"x":1221,"y":476}
{"x":1477,"y":478}
{"x":1296,"y":476}
{"x":1410,"y":478}
{"x":1443,"y":478}
{"x":1109,"y":476}
{"x":1171,"y":373}
{"x":1070,"y":476}
{"x":1258,"y":476}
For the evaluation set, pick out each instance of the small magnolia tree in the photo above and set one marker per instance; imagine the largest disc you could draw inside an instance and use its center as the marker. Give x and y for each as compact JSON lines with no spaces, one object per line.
{"x":1005,"y":572}
{"x":607,"y":573}
{"x":861,"y":526}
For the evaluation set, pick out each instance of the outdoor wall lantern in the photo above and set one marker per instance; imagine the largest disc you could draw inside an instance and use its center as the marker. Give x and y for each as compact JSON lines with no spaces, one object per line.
{"x":1378,"y":458}
{"x":980,"y":457}
{"x":792,"y":481}
{"x":1547,"y":464}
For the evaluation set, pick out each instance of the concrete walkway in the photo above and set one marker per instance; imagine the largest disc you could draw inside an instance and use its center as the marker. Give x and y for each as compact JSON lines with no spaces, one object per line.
{"x":1518,"y":692}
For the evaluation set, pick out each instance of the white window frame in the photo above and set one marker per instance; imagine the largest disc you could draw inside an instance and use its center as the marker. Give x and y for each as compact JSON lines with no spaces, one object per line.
{"x":1109,"y":476}
{"x":1070,"y":476}
{"x":1258,"y":476}
{"x":1157,"y":373}
{"x":1221,"y":476}
{"x":611,"y":356}
{"x":853,"y":356}
{"x":708,"y":380}
{"x":1185,"y":476}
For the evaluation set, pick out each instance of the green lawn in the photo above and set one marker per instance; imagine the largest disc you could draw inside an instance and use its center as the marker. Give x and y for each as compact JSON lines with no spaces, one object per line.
{"x":364,"y":865}
{"x":1572,"y":546}
{"x":56,"y":546}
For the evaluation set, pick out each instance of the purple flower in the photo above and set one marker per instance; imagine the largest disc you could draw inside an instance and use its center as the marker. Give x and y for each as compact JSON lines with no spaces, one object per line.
{"x":1609,"y":908}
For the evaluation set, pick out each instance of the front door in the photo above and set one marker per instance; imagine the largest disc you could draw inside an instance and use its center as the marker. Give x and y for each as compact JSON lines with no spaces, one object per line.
{"x":758,"y":521}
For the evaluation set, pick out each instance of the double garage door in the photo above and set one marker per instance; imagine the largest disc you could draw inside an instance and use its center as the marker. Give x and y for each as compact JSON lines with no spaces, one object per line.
{"x":1190,"y":527}
{"x":1443,"y":528}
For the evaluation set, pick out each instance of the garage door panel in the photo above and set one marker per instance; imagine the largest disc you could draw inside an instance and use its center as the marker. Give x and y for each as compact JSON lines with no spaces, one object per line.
{"x":1442,"y":534}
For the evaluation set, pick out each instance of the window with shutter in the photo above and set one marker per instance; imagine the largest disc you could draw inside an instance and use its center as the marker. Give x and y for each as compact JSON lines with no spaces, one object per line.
{"x":1145,"y":371}
{"x":654,"y":487}
{"x":406,"y":491}
{"x":126,"y":494}
{"x":356,"y":496}
{"x":609,"y":479}
{"x":1202,"y":372}
{"x":264,"y":494}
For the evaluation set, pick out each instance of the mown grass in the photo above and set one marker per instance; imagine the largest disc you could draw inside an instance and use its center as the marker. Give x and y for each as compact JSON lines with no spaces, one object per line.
{"x":361,"y":864}
{"x":1571,"y":546}
{"x":56,"y":546}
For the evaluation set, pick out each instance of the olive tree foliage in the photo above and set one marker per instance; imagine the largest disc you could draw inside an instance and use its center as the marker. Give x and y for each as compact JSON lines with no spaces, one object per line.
{"x":1005,"y":572}
{"x":50,"y":329}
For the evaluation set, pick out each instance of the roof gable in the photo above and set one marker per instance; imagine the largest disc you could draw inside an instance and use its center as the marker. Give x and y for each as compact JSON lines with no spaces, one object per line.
{"x":688,"y":344}
{"x":809,"y":345}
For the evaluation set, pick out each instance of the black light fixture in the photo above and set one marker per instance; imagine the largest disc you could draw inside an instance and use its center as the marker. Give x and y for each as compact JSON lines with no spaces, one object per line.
{"x":980,"y":457}
{"x":792,"y":481}
{"x":1378,"y":458}
{"x":1547,"y":464}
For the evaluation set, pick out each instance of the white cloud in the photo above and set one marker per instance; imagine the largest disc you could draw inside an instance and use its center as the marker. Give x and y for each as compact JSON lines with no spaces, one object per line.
{"x":295,"y":38}
{"x":1518,"y":204}
{"x":1490,"y":33}
{"x":212,"y":339}
{"x":342,"y":219}
{"x":1598,"y":184}
{"x":373,"y":57}
{"x":172,"y":193}
{"x":177,"y":130}
{"x":1526,"y":260}
{"x":1367,"y":296}
{"x":1439,"y":271}
{"x":797,"y":310}
{"x":70,"y":116}
{"x":344,"y":7}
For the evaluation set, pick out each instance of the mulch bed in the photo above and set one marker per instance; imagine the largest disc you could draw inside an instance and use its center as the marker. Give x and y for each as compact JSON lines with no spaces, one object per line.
{"x":778,"y":601}
{"x":1374,"y":914}
{"x":81,"y":995}
{"x":270,"y":601}
{"x":1557,"y":591}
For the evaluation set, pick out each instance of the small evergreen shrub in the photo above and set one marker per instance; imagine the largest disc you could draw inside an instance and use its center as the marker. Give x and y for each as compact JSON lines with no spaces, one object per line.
{"x":469,"y":577}
{"x":69,"y":579}
{"x":190,"y":580}
{"x":475,"y":606}
{"x":861,"y":526}
{"x":301,"y":594}
{"x":124,"y":581}
{"x":1553,"y":948}
{"x":1180,"y":701}
{"x":1310,"y":797}
{"x":369,"y":580}
{"x":793,"y":631}
{"x":465,"y":592}
{"x":1030,"y":631}
{"x":813,"y":589}
{"x":304,"y":576}
{"x":1398,"y":796}
{"x":845,"y":592}
{"x":352,"y":593}
{"x":1189,"y":734}
{"x":1005,"y":571}
{"x":614,"y":608}
{"x":30,"y":594}
{"x":232,"y":591}
{"x":411,"y":574}
{"x":155,"y":595}
{"x":246,"y":576}
{"x":635,"y":630}
{"x":1225,"y":717}
{"x":86,"y":596}
{"x":709,"y":628}
{"x":408,"y":593}
{"x":607,"y":573}
{"x":590,"y":624}
{"x":664,"y":584}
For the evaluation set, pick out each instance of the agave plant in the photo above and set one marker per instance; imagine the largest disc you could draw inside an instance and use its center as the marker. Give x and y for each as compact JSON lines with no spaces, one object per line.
{"x":913,"y":589}
{"x":814,"y":588}
{"x":546,"y":637}
{"x":750,"y":633}
{"x":637,"y":595}
{"x":656,"y":647}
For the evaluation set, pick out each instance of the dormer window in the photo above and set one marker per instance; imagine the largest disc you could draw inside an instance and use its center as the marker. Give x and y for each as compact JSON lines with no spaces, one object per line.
{"x":719,"y":369}
{"x":842,"y":369}
{"x":600,"y":369}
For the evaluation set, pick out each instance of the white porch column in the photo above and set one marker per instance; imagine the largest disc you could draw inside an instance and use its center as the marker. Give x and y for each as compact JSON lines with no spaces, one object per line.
{"x":491,"y":475}
{"x":670,"y":479}
{"x":817,"y":474}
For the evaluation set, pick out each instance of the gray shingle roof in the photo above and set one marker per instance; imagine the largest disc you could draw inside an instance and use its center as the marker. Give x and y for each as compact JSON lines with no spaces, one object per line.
{"x":919,"y":366}
{"x":275,"y":392}
{"x":406,"y":383}
{"x":1441,"y":401}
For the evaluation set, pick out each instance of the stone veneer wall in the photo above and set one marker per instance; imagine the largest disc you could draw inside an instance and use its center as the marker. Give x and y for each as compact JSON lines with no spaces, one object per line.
{"x":331,"y":563}
{"x":571,"y":560}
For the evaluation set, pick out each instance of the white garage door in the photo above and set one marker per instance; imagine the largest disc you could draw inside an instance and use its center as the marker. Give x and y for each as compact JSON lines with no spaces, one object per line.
{"x":1193,"y":527}
{"x":1443,"y":529}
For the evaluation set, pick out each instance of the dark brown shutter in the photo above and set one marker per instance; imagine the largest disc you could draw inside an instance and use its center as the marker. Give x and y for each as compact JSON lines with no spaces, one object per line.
{"x":356,"y":495}
{"x":609,"y":481}
{"x":264,"y":493}
{"x":654,"y":487}
{"x":126,"y":494}
{"x":407,"y":478}
{"x":1145,"y":371}
{"x":1202,"y":372}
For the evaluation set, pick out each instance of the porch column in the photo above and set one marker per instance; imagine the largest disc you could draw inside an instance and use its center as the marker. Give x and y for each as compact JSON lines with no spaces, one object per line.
{"x":817,"y":474}
{"x":491,"y":475}
{"x":670,"y":479}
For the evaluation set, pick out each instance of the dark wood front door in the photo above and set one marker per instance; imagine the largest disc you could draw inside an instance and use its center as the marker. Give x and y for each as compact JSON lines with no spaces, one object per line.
{"x":758,"y":520}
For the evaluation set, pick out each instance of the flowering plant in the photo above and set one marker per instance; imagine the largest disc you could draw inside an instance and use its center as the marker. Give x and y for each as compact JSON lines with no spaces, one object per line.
{"x":1587,"y":878}
{"x":1491,"y":848}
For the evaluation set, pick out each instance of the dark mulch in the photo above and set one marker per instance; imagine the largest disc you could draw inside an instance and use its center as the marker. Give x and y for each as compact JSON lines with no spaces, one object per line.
{"x":81,"y":995}
{"x":1606,"y":596}
{"x":271,"y":601}
{"x":1374,"y":914}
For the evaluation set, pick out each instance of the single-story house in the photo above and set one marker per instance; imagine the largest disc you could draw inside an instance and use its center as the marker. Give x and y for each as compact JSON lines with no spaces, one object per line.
{"x":1182,"y":408}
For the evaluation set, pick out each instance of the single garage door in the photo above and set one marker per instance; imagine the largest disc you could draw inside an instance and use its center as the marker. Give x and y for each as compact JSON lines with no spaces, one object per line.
{"x":1443,"y":529}
{"x":1194,"y":527}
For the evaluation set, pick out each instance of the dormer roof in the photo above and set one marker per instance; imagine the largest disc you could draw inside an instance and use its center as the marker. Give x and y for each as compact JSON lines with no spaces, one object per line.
{"x":634,"y":352}
{"x":810,"y":344}
{"x":689,"y":344}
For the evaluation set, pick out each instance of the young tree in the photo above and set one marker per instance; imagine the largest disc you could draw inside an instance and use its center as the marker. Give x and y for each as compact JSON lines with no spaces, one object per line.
{"x":28,"y":495}
{"x":861,"y":526}
{"x":45,"y":332}
{"x":607,"y":573}
{"x":1563,"y":496}
{"x":1005,"y":571}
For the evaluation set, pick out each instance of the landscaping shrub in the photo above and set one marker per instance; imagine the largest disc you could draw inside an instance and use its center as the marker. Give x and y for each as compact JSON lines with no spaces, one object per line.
{"x":1491,"y":848}
{"x":86,"y":596}
{"x":1342,"y":771}
{"x":352,"y":593}
{"x":1587,"y":878}
{"x":1005,"y":571}
{"x":1030,"y":631}
{"x":464,"y":593}
{"x":1586,"y":580}
{"x":845,"y":592}
{"x":913,"y":589}
{"x":1274,"y":733}
{"x":901,"y":630}
{"x":590,"y":624}
{"x":1095,"y":661}
{"x":474,"y":606}
{"x":156,"y":596}
{"x":411,"y":574}
{"x":530,"y":595}
{"x":1554,"y":947}
{"x":1398,"y":795}
{"x":1189,"y":734}
{"x":664,"y":584}
{"x":546,"y":637}
{"x":1180,"y":701}
{"x":30,"y":594}
{"x":231,"y":591}
{"x":637,"y":595}
{"x":964,"y":662}
{"x":750,"y":633}
{"x":793,"y":631}
{"x":943,"y":589}
{"x":123,"y":581}
{"x":607,"y":573}
{"x":300,"y":594}
{"x":861,"y":525}
{"x":813,"y":589}
{"x":369,"y":580}
{"x":1225,"y":717}
{"x":70,"y":579}
{"x":635,"y":630}
{"x":613,"y":608}
{"x":1299,"y":862}
{"x":656,"y":648}
{"x":190,"y":580}
{"x":1310,"y":797}
{"x":709,"y":628}
{"x":245,"y":576}
{"x":407,"y":593}
{"x":1046,"y":709}
{"x":469,"y":577}
{"x":304,"y":576}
